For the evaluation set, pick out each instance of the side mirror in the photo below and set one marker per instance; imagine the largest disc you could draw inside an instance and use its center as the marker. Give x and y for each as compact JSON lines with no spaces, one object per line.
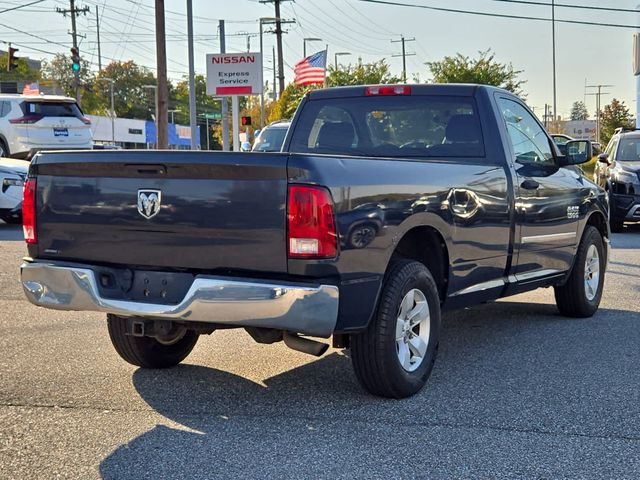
{"x":603,"y":158}
{"x":245,"y":147}
{"x":577,"y":152}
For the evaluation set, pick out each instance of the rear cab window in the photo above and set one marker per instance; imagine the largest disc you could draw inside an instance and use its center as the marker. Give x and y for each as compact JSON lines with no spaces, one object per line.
{"x":402,"y":126}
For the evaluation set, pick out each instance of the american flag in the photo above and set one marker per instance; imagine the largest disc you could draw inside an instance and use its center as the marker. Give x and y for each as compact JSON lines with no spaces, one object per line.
{"x":31,"y":89}
{"x":312,"y":69}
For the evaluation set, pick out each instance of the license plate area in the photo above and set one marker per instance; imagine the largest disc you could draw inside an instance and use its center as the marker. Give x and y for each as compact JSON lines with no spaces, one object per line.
{"x":60,"y":132}
{"x":144,"y":286}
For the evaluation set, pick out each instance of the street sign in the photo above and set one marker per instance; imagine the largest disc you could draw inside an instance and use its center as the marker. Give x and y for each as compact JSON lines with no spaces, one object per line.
{"x":234,"y":74}
{"x":212,"y":115}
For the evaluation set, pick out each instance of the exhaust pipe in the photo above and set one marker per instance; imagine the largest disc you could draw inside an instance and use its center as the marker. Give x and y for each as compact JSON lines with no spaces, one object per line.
{"x":304,"y":345}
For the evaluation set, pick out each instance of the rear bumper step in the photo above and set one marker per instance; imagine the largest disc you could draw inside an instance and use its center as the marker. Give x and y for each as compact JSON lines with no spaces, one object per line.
{"x":296,"y":307}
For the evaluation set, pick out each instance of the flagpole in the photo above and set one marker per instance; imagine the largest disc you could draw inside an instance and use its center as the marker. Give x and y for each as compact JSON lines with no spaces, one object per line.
{"x":326,"y":56}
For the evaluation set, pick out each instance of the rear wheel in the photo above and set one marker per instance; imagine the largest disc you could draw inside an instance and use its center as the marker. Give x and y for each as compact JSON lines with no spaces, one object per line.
{"x":395,"y":355}
{"x":580,"y":296}
{"x":164,"y":351}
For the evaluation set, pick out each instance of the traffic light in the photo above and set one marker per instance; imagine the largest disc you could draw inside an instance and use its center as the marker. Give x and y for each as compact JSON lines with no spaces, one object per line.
{"x":245,"y":121}
{"x":75,"y":59}
{"x":12,"y":61}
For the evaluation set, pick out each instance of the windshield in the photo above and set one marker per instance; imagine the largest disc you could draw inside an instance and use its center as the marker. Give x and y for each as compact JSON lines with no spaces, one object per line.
{"x":270,"y":139}
{"x":51,"y":109}
{"x":390,"y":126}
{"x":629,"y":150}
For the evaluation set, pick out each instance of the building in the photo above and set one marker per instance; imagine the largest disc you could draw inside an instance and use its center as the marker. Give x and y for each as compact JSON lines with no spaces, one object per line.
{"x":131,"y":133}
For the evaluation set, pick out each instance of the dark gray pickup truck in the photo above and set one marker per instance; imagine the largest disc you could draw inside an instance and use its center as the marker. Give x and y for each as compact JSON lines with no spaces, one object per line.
{"x":387,"y":205}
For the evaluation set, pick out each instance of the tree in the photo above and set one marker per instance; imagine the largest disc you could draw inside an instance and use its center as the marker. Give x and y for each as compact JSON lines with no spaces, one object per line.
{"x":58,"y":71}
{"x":579,"y":111}
{"x":288,"y":102}
{"x":482,"y":70}
{"x":21,"y":74}
{"x":361,"y":74}
{"x":179,"y":100}
{"x":614,"y":115}
{"x":358,"y":74}
{"x":132,"y":100}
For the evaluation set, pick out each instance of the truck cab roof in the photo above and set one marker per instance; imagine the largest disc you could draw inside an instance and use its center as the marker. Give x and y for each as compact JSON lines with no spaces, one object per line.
{"x":454,"y":89}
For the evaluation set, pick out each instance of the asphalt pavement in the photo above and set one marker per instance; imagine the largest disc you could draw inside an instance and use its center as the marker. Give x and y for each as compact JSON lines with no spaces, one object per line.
{"x":517,"y":392}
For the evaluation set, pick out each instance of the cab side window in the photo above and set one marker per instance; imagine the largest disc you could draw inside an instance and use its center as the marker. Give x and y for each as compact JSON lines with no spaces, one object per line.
{"x":529,"y":140}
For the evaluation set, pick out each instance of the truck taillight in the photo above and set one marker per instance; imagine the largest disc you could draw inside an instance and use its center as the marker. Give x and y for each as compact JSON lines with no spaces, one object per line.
{"x":29,"y":211}
{"x":311,"y":225}
{"x":383,"y":90}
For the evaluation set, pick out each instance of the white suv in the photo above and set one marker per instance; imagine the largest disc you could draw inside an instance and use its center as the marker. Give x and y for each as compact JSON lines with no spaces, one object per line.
{"x":29,"y":123}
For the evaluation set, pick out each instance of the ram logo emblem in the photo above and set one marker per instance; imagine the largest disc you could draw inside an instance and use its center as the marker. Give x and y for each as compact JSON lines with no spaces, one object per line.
{"x":149,"y":202}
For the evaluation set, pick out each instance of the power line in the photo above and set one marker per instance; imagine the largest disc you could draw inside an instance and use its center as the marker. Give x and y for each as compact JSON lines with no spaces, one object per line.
{"x":35,"y":36}
{"x":564,"y":5}
{"x":21,"y":6}
{"x":498,"y":15}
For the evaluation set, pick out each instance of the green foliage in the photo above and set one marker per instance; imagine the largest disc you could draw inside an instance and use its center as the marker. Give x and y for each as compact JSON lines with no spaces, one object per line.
{"x":358,"y":74}
{"x":579,"y":111}
{"x":58,"y":72}
{"x":21,"y":74}
{"x":179,"y":100}
{"x":361,"y":74}
{"x":289,"y":100}
{"x":131,"y":99}
{"x":614,"y":115}
{"x":483,"y":70}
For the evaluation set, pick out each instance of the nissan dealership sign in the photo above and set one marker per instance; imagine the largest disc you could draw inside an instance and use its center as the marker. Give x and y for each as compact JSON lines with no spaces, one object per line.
{"x":234,"y":74}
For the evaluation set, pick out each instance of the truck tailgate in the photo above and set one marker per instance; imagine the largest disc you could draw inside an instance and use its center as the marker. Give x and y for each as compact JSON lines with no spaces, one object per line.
{"x":217,"y":210}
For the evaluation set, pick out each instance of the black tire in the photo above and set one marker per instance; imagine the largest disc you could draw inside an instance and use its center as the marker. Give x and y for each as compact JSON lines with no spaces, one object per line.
{"x":572,"y":298}
{"x":148,"y":352}
{"x":374,"y":353}
{"x":4,"y":150}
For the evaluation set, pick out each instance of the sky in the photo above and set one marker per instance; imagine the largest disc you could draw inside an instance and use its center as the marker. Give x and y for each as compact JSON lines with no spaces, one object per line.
{"x":585,"y":54}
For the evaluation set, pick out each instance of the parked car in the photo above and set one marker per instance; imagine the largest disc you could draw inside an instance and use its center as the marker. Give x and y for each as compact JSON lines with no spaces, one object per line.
{"x":618,"y":172}
{"x":29,"y":123}
{"x":386,"y":205}
{"x":12,"y":175}
{"x":271,"y":137}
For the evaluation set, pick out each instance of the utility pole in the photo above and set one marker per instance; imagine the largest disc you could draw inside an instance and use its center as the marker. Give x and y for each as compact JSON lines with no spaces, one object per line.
{"x":404,"y":55}
{"x":275,"y":92}
{"x":74,"y":12}
{"x":598,"y":96}
{"x":278,"y":32}
{"x":98,"y":33}
{"x":225,"y":106}
{"x":162,"y":92}
{"x":553,"y":42}
{"x":193,"y":120}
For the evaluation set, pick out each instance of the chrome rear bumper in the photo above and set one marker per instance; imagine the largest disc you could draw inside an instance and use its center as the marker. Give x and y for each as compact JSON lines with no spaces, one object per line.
{"x":302,"y":308}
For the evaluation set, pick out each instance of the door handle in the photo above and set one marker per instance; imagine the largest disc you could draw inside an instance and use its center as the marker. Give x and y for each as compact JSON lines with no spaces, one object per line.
{"x":529,"y":184}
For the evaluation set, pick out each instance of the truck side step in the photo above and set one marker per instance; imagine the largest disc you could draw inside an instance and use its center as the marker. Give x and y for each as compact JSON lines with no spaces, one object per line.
{"x":304,"y":345}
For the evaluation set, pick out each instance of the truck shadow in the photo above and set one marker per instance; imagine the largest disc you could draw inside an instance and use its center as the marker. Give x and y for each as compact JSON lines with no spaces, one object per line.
{"x":10,"y":232}
{"x":502,"y":365}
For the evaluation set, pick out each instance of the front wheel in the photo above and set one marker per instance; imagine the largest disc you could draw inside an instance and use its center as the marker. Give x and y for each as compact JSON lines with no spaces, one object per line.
{"x":581,"y":295}
{"x":149,"y":352}
{"x":394,"y":356}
